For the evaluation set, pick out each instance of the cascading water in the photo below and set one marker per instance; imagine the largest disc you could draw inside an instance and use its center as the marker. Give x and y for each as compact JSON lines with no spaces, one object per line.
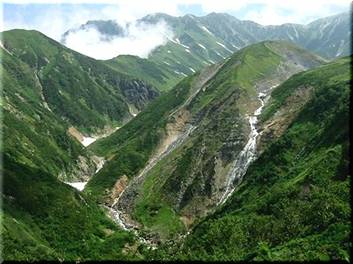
{"x":246,"y":156}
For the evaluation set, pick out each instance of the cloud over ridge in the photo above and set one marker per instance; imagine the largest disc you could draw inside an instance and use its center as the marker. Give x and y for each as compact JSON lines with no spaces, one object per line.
{"x":137,"y":39}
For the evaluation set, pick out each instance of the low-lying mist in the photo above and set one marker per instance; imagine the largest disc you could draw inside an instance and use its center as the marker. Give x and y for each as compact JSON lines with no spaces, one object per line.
{"x":137,"y":39}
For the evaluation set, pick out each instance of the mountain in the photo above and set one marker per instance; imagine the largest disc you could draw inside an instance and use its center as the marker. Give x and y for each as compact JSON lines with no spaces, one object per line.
{"x":53,"y":99}
{"x":45,"y":219}
{"x":293,"y":204}
{"x":53,"y":95}
{"x":167,"y":168}
{"x":108,"y":28}
{"x":200,"y":41}
{"x":245,"y":159}
{"x":161,"y":77}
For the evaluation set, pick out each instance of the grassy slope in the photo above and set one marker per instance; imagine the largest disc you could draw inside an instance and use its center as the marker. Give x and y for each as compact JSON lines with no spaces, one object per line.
{"x":83,"y":91}
{"x":294,"y":201}
{"x":44,"y":219}
{"x":26,"y":121}
{"x":158,"y":75}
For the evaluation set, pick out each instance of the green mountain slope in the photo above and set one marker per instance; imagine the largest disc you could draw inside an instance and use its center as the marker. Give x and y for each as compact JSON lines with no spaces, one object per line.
{"x":49,"y":89}
{"x":82,"y":90}
{"x":44,"y":219}
{"x":158,"y":75}
{"x":294,"y":201}
{"x":187,"y":139}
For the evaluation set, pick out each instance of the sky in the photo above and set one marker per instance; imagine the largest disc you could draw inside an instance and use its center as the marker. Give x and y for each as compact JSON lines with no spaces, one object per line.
{"x":53,"y":18}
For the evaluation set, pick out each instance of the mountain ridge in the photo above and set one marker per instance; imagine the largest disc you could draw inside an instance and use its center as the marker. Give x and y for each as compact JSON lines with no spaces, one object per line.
{"x":204,"y":40}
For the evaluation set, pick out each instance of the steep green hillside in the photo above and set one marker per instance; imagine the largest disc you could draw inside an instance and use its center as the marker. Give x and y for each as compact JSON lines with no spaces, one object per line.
{"x":81,"y":90}
{"x":186,"y":143}
{"x":47,"y":89}
{"x":32,"y":133}
{"x":294,"y":201}
{"x":158,"y":75}
{"x":44,"y":219}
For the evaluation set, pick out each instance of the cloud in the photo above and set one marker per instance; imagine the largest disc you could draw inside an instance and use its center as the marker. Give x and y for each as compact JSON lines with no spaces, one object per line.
{"x":139,"y":39}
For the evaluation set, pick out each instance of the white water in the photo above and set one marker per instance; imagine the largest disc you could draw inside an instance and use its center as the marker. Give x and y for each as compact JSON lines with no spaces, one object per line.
{"x":246,"y":156}
{"x":100,"y":165}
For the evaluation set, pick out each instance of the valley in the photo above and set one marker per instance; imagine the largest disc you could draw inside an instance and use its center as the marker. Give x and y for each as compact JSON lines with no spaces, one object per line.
{"x":229,"y":142}
{"x":186,"y":124}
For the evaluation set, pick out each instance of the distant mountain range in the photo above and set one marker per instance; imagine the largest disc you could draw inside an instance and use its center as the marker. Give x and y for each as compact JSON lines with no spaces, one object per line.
{"x":200,"y":41}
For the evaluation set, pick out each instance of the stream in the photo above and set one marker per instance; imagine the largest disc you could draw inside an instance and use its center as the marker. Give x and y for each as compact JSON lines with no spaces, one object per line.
{"x":246,"y":156}
{"x":237,"y":171}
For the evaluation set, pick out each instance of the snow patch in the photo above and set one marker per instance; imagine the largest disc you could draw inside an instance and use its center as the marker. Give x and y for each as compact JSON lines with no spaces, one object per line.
{"x":202,"y":46}
{"x":181,"y":44}
{"x":180,"y":73}
{"x":219,"y":54}
{"x":340,"y":48}
{"x":88,"y":141}
{"x":235,"y":46}
{"x":77,"y":185}
{"x":296,"y":32}
{"x":192,"y":69}
{"x":224,"y":47}
{"x":206,"y":29}
{"x":2,"y":46}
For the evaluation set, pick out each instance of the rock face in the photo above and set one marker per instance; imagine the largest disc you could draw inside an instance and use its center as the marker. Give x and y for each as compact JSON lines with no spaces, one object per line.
{"x":138,"y":92}
{"x":274,"y":127}
{"x":118,"y":188}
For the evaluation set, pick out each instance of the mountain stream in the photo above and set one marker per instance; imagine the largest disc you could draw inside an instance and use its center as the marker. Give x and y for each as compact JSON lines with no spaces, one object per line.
{"x":246,"y":156}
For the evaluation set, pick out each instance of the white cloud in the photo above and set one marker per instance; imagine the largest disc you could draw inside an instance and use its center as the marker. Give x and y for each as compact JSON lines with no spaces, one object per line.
{"x":139,"y":39}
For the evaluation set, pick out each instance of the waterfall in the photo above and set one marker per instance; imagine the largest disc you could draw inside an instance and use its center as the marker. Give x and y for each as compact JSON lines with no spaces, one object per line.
{"x":246,"y":156}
